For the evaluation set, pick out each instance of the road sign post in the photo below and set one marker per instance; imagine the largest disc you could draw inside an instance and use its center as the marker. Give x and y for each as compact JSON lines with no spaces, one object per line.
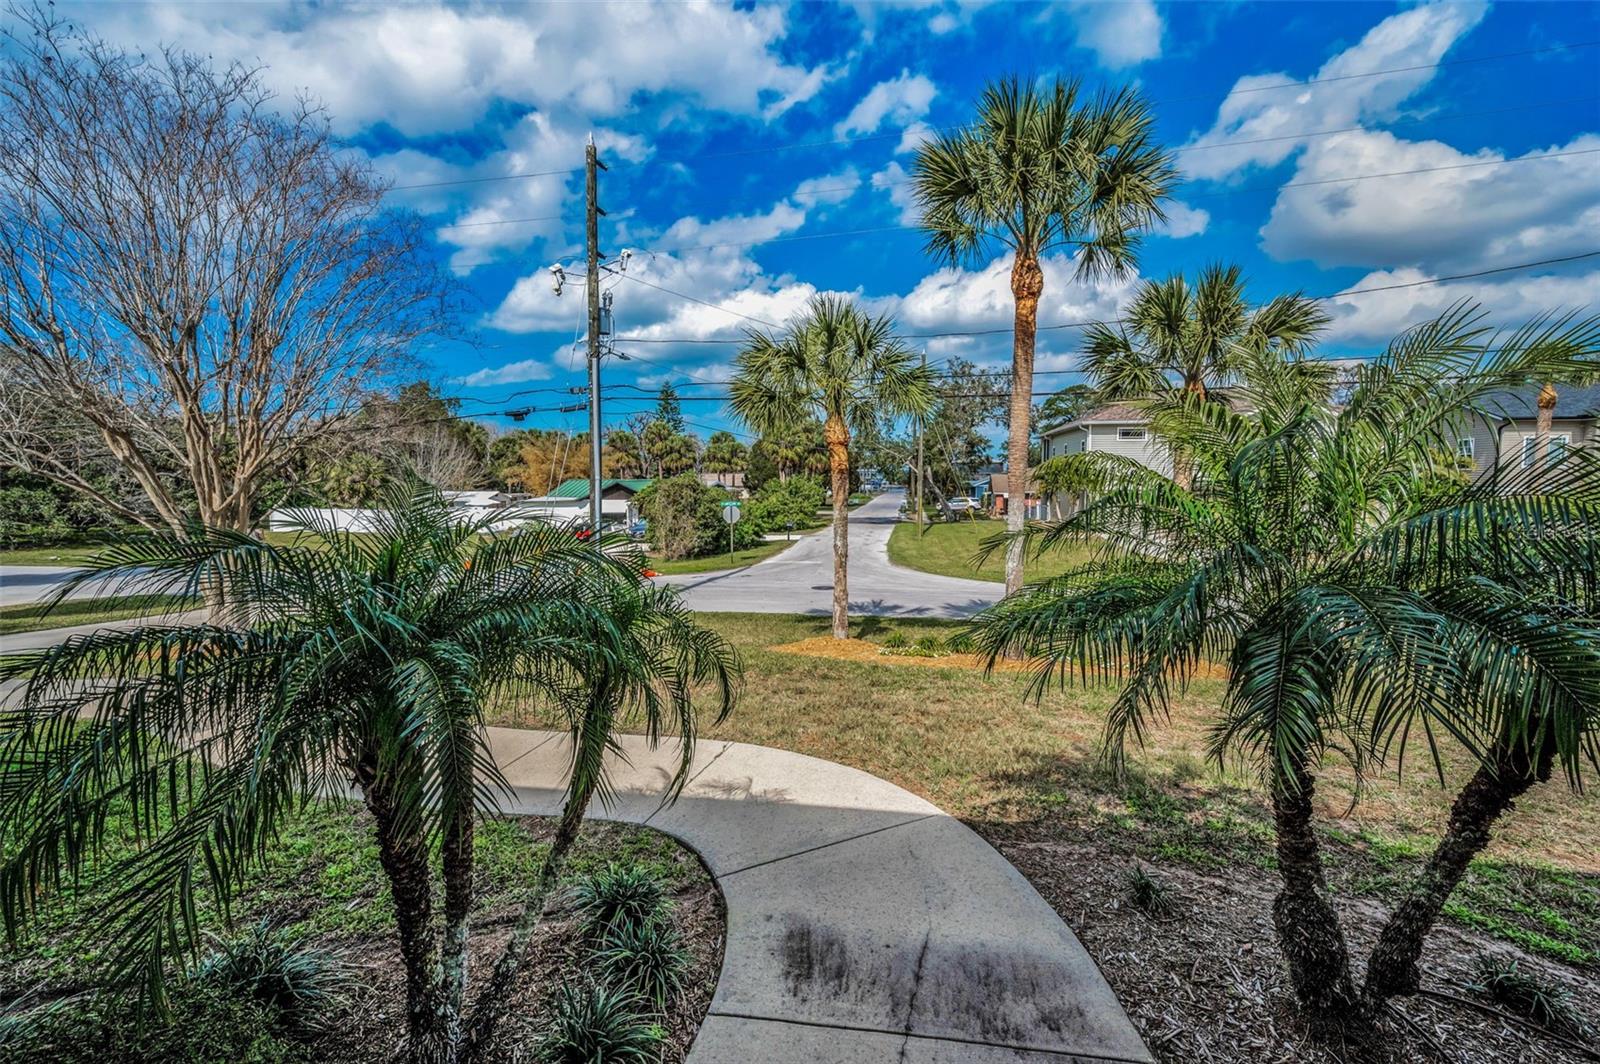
{"x":731,"y":514}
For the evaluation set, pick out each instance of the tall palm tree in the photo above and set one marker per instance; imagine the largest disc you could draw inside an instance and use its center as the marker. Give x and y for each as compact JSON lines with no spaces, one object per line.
{"x":1037,"y":171}
{"x":1323,"y":555}
{"x":836,"y":363}
{"x":344,"y":661}
{"x":1189,"y":339}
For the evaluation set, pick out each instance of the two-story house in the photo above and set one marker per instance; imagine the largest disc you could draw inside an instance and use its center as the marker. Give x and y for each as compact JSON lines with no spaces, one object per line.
{"x":1510,"y":435}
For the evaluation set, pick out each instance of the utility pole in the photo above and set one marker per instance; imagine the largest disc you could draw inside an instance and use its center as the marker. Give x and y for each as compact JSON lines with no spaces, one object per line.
{"x":591,"y":182}
{"x":919,"y":455}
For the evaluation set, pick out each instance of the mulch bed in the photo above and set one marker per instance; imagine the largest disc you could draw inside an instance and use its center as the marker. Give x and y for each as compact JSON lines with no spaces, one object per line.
{"x":371,"y":1032}
{"x":1206,"y":982}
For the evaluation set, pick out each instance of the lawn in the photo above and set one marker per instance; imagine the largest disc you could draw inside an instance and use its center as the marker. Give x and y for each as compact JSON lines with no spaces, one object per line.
{"x":977,"y":746}
{"x":716,"y":562}
{"x":67,"y":554}
{"x":951,"y":549}
{"x":32,"y":618}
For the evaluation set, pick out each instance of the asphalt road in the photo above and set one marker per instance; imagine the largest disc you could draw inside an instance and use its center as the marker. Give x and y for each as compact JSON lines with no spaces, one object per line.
{"x":800,"y":580}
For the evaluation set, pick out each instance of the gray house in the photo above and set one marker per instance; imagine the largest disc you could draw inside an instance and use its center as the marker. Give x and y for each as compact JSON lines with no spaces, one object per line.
{"x":1510,"y":437}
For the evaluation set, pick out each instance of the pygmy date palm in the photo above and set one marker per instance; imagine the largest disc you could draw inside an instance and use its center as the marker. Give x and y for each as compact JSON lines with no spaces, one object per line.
{"x":1357,"y":590}
{"x":839,"y":364}
{"x":342,"y":662}
{"x":1038,"y":170}
{"x":1190,"y":338}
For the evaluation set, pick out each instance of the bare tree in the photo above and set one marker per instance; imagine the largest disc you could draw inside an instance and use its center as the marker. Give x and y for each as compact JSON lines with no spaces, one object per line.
{"x":191,"y":270}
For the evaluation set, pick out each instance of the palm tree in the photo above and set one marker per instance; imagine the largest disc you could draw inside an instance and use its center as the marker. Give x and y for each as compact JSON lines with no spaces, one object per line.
{"x":724,"y":454}
{"x":1353,"y":588}
{"x":343,"y":661}
{"x":836,"y":363}
{"x":1190,"y":339}
{"x":1037,"y":171}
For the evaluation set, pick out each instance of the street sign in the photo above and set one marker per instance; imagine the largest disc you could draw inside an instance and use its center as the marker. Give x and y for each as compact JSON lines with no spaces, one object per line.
{"x":731,"y":513}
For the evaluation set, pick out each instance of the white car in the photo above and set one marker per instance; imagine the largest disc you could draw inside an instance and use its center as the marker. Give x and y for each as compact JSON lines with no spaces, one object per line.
{"x":963,"y":503}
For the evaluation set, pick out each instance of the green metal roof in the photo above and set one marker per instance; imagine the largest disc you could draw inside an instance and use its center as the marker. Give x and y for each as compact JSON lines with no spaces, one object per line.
{"x":578,"y":487}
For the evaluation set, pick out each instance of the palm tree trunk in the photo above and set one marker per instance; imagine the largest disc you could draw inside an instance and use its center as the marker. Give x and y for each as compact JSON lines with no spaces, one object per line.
{"x":837,"y":434}
{"x":1541,"y":425}
{"x":489,"y":1005}
{"x":1494,"y":788}
{"x":1027,"y":284}
{"x":1182,"y":462}
{"x":1308,"y":928}
{"x":456,"y":858}
{"x":404,"y":857}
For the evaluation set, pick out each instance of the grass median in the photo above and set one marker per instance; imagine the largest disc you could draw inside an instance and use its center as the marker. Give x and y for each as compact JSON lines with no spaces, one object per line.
{"x":951,"y":549}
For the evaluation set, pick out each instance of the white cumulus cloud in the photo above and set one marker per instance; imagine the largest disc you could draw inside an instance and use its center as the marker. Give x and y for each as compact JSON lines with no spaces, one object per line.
{"x":898,"y":101}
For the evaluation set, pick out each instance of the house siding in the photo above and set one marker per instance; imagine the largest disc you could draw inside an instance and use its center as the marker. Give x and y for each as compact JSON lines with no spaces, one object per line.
{"x":1148,"y":451}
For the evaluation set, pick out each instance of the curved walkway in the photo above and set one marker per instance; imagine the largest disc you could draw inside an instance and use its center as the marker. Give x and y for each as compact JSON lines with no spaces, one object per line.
{"x":800,"y":579}
{"x":864,"y":924}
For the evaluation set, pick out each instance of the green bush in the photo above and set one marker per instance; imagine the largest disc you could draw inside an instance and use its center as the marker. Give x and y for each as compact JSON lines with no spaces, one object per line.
{"x":595,"y":1024}
{"x":301,"y":985}
{"x":646,"y":957}
{"x":896,"y":641}
{"x":685,"y":519}
{"x":618,"y":896}
{"x":1547,"y":1004}
{"x":42,"y":517}
{"x":1148,"y":894}
{"x":780,"y":505}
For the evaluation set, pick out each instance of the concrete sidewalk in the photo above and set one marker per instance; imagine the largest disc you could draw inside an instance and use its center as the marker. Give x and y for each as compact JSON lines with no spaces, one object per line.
{"x":864,"y":924}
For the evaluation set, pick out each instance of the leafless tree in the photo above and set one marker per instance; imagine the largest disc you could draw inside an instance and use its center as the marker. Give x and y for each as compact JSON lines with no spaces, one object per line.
{"x":191,"y":271}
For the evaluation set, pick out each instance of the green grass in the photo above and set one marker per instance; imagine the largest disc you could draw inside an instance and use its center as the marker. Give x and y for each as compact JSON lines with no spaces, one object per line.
{"x":32,"y":618}
{"x":951,"y":548}
{"x":717,"y":562}
{"x":66,"y":554}
{"x":1013,"y":767}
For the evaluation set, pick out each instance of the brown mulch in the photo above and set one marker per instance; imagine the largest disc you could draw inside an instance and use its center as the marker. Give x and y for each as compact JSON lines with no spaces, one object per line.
{"x":1205,"y":983}
{"x":371,"y":1030}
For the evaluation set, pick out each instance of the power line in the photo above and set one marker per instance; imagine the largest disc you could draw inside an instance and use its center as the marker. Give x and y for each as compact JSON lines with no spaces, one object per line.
{"x":485,"y":180}
{"x":702,"y":302}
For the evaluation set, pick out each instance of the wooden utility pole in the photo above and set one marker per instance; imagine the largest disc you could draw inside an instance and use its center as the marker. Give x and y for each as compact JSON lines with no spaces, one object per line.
{"x":592,"y":212}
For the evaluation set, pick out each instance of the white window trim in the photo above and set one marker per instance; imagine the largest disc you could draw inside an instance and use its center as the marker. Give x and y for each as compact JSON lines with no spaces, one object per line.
{"x":1467,"y":447}
{"x":1132,"y":432}
{"x":1563,"y":440}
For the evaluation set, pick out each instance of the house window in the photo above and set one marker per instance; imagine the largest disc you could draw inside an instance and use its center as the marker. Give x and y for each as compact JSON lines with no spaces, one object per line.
{"x":1467,"y":447}
{"x":1130,"y":434}
{"x":1558,"y":446}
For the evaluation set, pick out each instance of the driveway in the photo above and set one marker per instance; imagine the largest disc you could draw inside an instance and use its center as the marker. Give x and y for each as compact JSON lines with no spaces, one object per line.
{"x":800,"y":580}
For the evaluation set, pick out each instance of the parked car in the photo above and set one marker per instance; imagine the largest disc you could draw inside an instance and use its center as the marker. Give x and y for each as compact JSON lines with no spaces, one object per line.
{"x":963,"y":504}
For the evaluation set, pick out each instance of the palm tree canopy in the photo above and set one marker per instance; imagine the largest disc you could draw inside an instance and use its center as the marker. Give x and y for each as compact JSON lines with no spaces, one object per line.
{"x":834,"y":360}
{"x":1177,"y":335}
{"x":1041,"y":169}
{"x":1358,"y":590}
{"x":344,"y":657}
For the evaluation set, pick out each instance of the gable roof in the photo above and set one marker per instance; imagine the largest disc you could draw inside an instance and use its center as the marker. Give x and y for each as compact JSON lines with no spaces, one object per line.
{"x":1109,"y":414}
{"x":578,"y":487}
{"x":1571,"y":402}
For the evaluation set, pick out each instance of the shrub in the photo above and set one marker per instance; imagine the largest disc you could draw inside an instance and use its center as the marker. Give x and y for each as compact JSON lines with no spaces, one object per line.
{"x":590,"y":1023}
{"x":302,"y":985}
{"x":618,"y":896}
{"x":1501,"y":981}
{"x":646,"y":957}
{"x":685,"y":518}
{"x":930,"y":646}
{"x":1148,"y":894}
{"x":780,"y":505}
{"x":896,"y":641}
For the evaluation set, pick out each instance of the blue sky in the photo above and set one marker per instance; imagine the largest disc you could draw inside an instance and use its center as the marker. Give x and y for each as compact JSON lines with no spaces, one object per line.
{"x":747,"y":144}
